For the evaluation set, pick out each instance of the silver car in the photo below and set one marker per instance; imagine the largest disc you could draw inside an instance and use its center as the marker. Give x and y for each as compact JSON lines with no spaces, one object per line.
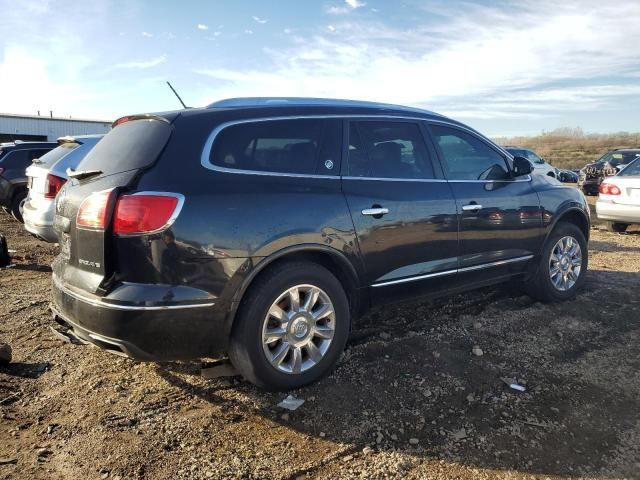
{"x":46,"y":176}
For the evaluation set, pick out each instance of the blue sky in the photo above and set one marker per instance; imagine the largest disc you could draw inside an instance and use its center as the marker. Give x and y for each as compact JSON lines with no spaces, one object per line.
{"x":506,"y":68}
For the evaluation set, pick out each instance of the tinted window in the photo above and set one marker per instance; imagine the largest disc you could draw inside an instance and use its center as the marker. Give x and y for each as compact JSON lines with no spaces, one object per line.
{"x":16,"y":159}
{"x":466,"y":157}
{"x":281,"y":146}
{"x":129,"y":146}
{"x":631,"y":170}
{"x":619,"y":158}
{"x":56,"y":154}
{"x":36,"y":154}
{"x":388,"y":150}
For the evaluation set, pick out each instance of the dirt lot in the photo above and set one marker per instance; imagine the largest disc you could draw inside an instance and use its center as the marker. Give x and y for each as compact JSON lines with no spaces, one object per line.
{"x":408,"y":400}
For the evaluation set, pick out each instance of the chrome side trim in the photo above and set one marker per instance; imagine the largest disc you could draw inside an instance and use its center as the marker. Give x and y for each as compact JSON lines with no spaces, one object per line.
{"x":412,"y":279}
{"x":450,"y":272}
{"x":379,"y":179}
{"x":112,"y":306}
{"x":495,"y":264}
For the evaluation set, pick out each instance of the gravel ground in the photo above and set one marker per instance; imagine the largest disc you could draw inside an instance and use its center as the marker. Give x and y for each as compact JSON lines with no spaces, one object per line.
{"x":409,"y":399}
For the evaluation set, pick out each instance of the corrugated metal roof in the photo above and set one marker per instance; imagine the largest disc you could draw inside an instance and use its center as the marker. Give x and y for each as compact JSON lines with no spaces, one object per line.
{"x":46,"y":117}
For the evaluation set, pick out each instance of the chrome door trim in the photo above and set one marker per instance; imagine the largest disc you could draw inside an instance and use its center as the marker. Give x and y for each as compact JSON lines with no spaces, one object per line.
{"x":458,"y":270}
{"x":114,"y":306}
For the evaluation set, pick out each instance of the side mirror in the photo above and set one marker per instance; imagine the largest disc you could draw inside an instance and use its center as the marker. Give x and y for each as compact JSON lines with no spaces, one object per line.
{"x":521,"y":166}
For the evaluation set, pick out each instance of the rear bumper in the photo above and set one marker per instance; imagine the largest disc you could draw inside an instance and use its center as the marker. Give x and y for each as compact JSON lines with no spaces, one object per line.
{"x":39,"y":220}
{"x":144,"y":330}
{"x":590,"y":185}
{"x":618,"y":213}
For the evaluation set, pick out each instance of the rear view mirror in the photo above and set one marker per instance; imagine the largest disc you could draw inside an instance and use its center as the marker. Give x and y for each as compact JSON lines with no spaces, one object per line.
{"x":521,"y":166}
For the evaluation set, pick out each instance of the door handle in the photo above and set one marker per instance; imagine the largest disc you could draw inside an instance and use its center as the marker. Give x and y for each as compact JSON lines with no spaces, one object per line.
{"x":472,"y":207}
{"x":375,"y":212}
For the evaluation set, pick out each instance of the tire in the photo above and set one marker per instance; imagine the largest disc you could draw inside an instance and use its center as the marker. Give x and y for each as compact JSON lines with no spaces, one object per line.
{"x":617,"y":227}
{"x":541,"y":286}
{"x":254,"y":352}
{"x":17,"y":205}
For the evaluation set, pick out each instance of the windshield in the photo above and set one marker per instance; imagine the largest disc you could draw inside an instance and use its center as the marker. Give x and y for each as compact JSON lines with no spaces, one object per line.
{"x":48,"y":159}
{"x":631,"y":170}
{"x":528,"y":154}
{"x":619,"y":158}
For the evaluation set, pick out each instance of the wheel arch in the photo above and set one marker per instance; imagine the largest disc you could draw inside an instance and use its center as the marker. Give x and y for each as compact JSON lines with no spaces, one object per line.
{"x":574,"y":215}
{"x":335,"y":261}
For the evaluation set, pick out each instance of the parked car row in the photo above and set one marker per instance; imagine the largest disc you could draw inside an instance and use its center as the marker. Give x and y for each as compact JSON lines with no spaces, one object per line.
{"x":612,"y":162}
{"x":260,"y":228}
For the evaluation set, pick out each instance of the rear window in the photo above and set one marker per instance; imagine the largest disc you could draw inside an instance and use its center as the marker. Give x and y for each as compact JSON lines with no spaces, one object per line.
{"x":129,"y":146}
{"x":631,"y":170}
{"x":49,"y":159}
{"x":302,"y":146}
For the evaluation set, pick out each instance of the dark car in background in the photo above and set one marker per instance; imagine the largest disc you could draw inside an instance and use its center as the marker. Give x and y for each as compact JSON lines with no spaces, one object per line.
{"x":262,"y":227}
{"x":15,"y":157}
{"x":592,"y":174}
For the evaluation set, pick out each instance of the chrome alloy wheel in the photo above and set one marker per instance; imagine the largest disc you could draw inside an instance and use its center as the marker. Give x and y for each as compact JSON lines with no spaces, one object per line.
{"x":565,"y":263}
{"x":298,"y":329}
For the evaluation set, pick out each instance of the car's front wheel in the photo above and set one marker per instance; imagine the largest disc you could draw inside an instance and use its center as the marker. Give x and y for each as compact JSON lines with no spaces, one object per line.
{"x":291,"y":327}
{"x":562,"y":266}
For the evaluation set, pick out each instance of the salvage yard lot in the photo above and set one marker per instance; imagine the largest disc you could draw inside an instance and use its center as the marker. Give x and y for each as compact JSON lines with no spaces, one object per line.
{"x":408,"y":387}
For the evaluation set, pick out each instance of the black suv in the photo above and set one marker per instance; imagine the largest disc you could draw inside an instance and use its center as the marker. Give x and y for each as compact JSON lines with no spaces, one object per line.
{"x":592,"y":175}
{"x":262,"y":227}
{"x":15,"y":157}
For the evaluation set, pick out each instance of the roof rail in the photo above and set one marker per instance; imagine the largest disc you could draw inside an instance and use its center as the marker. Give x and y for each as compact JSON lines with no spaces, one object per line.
{"x":247,"y":102}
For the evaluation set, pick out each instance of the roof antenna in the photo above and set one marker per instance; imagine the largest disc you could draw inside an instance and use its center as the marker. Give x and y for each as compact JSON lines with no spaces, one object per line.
{"x":176,"y":94}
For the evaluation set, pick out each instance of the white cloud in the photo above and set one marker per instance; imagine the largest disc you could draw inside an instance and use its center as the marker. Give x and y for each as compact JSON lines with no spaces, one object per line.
{"x":202,"y":26}
{"x":153,"y":62}
{"x":259,"y":20}
{"x":349,"y":6}
{"x":147,"y":34}
{"x":433,"y":65}
{"x":355,"y":3}
{"x":248,"y":31}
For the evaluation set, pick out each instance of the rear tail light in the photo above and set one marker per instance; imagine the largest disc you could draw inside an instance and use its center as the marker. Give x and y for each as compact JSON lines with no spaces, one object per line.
{"x":52,"y":186}
{"x":609,"y":189}
{"x":145,"y":213}
{"x":93,"y":211}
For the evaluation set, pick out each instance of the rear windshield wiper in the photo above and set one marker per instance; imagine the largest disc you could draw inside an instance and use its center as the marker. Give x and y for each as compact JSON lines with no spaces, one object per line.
{"x":80,"y":174}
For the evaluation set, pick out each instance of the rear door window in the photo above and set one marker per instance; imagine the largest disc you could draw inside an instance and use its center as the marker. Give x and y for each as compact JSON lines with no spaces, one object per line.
{"x":300,"y":146}
{"x":386,"y":149}
{"x":466,"y":157}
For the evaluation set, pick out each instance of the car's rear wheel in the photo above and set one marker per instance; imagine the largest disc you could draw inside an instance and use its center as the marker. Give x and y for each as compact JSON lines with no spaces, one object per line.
{"x":562,"y":266}
{"x":291,"y":328}
{"x":17,"y":205}
{"x":617,"y":227}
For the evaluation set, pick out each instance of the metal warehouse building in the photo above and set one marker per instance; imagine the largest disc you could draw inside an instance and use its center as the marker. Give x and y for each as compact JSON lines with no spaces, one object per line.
{"x":35,"y":127}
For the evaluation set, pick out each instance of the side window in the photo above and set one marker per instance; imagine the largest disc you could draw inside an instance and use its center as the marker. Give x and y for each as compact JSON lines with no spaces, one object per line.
{"x":33,"y":154}
{"x":467,"y":157}
{"x":381,"y":149}
{"x":16,"y":159}
{"x":302,"y":146}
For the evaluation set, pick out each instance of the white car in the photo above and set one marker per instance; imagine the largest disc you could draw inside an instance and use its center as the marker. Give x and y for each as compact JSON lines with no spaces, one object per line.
{"x":46,"y":176}
{"x":619,"y":199}
{"x":539,"y":164}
